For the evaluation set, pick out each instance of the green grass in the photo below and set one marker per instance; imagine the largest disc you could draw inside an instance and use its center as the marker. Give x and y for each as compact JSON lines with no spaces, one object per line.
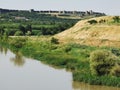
{"x":96,"y":80}
{"x":73,"y":57}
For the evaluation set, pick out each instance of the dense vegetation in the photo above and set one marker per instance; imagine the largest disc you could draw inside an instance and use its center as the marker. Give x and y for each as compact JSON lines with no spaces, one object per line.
{"x":93,"y":65}
{"x":33,"y":23}
{"x":115,"y":20}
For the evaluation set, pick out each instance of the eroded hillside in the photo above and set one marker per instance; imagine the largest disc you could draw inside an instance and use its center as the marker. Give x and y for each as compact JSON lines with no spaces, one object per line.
{"x":104,"y":32}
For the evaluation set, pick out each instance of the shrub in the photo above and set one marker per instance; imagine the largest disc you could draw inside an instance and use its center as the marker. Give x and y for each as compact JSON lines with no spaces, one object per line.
{"x":92,"y":21}
{"x":18,"y":42}
{"x":67,"y":49}
{"x":54,"y":40}
{"x":12,"y":31}
{"x":18,"y":33}
{"x":116,"y":71}
{"x":36,"y":32}
{"x":102,"y":62}
{"x":28,"y":33}
{"x":115,"y":51}
{"x":102,"y":21}
{"x":116,"y":19}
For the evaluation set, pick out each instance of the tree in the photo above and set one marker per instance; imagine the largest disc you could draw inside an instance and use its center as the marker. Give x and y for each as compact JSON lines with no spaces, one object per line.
{"x":116,"y":19}
{"x":28,"y":28}
{"x":22,"y":28}
{"x":1,"y":32}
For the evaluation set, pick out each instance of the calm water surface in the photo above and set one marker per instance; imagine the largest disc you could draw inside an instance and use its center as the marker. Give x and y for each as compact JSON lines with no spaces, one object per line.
{"x":20,"y":73}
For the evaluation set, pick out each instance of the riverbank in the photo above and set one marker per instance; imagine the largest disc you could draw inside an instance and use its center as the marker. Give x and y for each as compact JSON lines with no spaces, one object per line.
{"x":72,"y":56}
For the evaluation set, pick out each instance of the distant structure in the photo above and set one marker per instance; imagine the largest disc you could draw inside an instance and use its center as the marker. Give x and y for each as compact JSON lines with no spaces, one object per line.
{"x":72,"y":13}
{"x":6,"y":10}
{"x":31,"y":10}
{"x":58,"y":13}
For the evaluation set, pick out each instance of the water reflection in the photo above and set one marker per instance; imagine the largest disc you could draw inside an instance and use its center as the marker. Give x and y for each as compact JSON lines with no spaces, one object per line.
{"x":18,"y":60}
{"x":3,"y":50}
{"x":35,"y":75}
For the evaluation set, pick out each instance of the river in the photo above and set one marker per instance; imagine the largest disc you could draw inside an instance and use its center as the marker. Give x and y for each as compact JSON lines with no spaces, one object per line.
{"x":21,"y":73}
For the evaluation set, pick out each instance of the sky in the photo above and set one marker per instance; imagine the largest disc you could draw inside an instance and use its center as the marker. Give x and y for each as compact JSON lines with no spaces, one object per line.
{"x":110,"y":7}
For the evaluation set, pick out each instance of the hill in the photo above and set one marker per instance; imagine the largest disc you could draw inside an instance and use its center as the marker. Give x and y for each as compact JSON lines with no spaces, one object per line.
{"x":104,"y":31}
{"x":31,"y":22}
{"x":11,"y":22}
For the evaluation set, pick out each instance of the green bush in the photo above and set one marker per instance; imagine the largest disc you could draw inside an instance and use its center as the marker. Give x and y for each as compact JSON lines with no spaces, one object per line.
{"x":102,"y":62}
{"x":116,"y":71}
{"x":96,"y":80}
{"x":67,"y":49}
{"x":116,"y":19}
{"x":17,"y":42}
{"x":92,"y":21}
{"x":115,"y":51}
{"x":28,"y":33}
{"x":18,"y":33}
{"x":54,"y":40}
{"x":36,"y":32}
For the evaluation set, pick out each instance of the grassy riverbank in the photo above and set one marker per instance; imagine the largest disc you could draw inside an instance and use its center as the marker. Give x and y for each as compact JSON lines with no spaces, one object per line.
{"x":72,"y":56}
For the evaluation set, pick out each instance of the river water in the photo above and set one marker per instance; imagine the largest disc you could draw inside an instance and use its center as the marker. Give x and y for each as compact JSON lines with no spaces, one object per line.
{"x":20,"y":73}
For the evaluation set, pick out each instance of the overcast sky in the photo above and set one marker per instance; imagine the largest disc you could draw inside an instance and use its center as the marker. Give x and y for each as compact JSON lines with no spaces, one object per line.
{"x":110,"y":7}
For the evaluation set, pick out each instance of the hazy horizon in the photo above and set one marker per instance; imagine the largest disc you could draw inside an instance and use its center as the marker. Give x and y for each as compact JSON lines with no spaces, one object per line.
{"x":107,"y":6}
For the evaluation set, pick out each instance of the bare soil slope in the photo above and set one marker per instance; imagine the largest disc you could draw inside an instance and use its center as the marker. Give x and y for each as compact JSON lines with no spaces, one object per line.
{"x":100,"y":34}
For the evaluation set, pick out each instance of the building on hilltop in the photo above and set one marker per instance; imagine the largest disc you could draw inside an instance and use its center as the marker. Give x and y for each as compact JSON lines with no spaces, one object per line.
{"x":55,"y":12}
